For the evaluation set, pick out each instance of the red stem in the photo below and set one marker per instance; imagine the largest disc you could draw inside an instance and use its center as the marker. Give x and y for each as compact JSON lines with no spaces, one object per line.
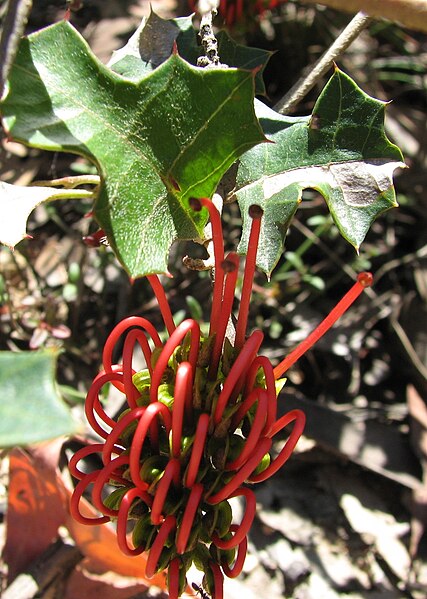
{"x":264,"y":363}
{"x":148,"y":416}
{"x":188,"y":517}
{"x":122,"y":519}
{"x":156,"y":549}
{"x":239,"y":368}
{"x":364,"y":279}
{"x":131,"y":392}
{"x":93,"y":404}
{"x":236,"y":569}
{"x":114,"y":437}
{"x":257,"y":427}
{"x":294,"y":415}
{"x":113,"y":337}
{"x":75,"y":501}
{"x":102,"y":479}
{"x":218,"y":244}
{"x":173,"y":575}
{"x":80,"y":455}
{"x":231,"y":267}
{"x":182,"y":400}
{"x":197,"y":450}
{"x":242,"y":474}
{"x":218,"y":581}
{"x":246,"y":523}
{"x":160,"y":294}
{"x":170,"y":475}
{"x":187,"y":326}
{"x":248,"y":277}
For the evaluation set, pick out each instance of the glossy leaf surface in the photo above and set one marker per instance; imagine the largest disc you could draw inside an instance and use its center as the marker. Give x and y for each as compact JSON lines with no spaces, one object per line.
{"x":157,"y":142}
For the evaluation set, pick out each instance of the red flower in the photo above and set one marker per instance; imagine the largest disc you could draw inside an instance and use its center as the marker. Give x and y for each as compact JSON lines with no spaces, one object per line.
{"x":199,"y":423}
{"x":234,"y":11}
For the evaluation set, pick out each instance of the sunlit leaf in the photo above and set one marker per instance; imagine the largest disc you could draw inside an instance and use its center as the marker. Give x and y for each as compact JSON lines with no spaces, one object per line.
{"x":157,"y":142}
{"x":341,"y":150}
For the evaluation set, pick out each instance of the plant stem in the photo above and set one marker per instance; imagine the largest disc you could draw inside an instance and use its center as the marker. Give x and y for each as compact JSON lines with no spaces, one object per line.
{"x":13,"y":27}
{"x":70,"y":182}
{"x":208,"y":41}
{"x":325,"y":62}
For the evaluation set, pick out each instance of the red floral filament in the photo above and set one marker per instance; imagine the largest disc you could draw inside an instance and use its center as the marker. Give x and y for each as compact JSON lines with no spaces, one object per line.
{"x":198,"y":423}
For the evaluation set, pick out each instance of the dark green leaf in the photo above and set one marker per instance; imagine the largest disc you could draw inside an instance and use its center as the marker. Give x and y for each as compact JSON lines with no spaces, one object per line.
{"x":243,"y":57}
{"x":341,"y":151}
{"x":152,"y":44}
{"x":148,"y":48}
{"x":157,"y":142}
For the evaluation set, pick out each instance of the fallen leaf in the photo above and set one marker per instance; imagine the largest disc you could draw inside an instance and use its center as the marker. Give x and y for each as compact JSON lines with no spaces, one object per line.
{"x":36,"y":506}
{"x":98,"y":543}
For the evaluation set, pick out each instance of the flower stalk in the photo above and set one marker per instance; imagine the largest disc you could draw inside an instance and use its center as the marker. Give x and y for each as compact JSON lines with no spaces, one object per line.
{"x":197,"y":426}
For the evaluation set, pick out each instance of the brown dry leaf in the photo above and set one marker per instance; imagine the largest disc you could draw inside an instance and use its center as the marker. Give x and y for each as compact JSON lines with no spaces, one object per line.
{"x":36,"y":505}
{"x":99,"y":545}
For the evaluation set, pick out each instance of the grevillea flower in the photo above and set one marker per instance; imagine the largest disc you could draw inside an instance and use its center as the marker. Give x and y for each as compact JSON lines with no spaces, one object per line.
{"x":234,"y":11}
{"x":196,"y":430}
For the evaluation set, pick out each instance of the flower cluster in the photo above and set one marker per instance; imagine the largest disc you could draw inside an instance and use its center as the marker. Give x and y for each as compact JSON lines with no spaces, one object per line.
{"x":198,"y":423}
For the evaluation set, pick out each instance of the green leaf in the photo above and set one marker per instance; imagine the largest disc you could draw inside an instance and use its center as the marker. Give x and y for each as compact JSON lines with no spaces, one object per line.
{"x":17,"y":203}
{"x":152,"y":44}
{"x":341,"y":151}
{"x":31,"y":409}
{"x":243,"y":57}
{"x":148,"y":48}
{"x":156,"y":142}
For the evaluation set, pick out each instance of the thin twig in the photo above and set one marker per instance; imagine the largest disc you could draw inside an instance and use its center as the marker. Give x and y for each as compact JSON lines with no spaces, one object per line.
{"x":325,"y":62}
{"x":70,"y":182}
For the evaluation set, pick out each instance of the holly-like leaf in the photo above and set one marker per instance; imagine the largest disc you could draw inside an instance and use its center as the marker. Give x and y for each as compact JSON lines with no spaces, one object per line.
{"x":156,"y":142}
{"x":243,"y":57}
{"x":341,"y":151}
{"x":148,"y":48}
{"x":153,"y":41}
{"x":31,"y":409}
{"x":17,"y":203}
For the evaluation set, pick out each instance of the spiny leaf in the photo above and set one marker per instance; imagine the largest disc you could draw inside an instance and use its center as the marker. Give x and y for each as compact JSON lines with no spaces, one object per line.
{"x":243,"y":57}
{"x":17,"y":203}
{"x":341,"y":151}
{"x":156,"y":142}
{"x":148,"y":48}
{"x":152,"y":44}
{"x":31,"y":409}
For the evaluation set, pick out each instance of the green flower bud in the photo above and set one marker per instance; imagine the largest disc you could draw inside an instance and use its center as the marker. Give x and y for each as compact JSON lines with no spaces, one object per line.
{"x":225,"y":516}
{"x":201,"y":557}
{"x":144,"y":532}
{"x":182,"y":583}
{"x":263,"y":465}
{"x":165,"y":395}
{"x":142,"y":380}
{"x":114,"y":499}
{"x":153,"y":467}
